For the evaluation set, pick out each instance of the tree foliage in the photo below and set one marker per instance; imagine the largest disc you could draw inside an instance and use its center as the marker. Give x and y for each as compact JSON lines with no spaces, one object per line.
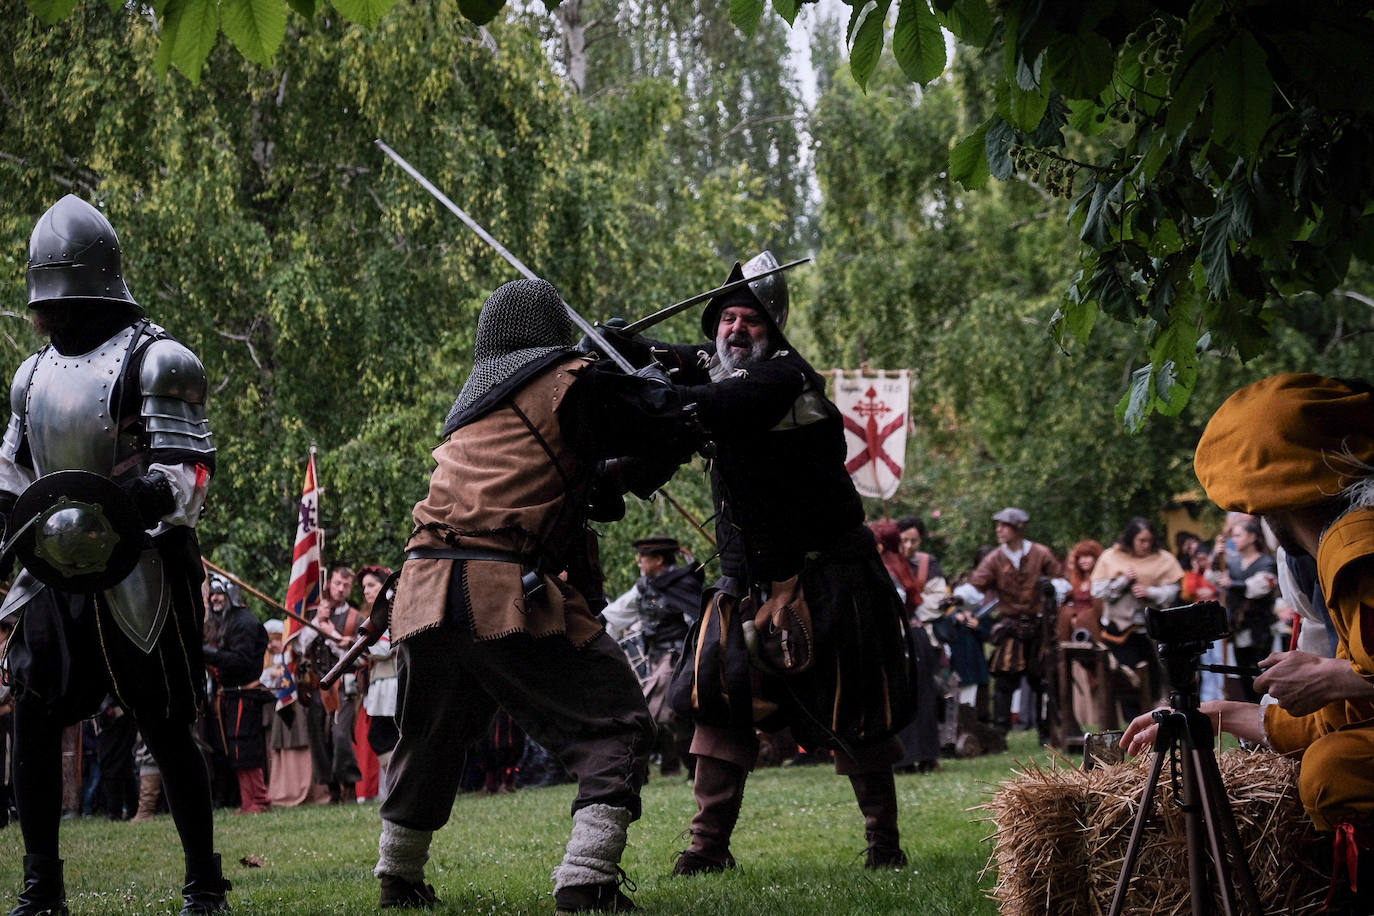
{"x":1214,"y":154}
{"x":915,"y":270}
{"x":332,"y":300}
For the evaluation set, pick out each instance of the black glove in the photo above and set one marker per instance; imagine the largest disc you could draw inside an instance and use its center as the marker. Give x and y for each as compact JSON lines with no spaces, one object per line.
{"x":633,"y":347}
{"x":152,"y":496}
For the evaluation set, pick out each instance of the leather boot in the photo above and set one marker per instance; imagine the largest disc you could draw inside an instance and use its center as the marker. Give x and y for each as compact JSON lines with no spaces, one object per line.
{"x":149,"y":789}
{"x":44,"y":892}
{"x":719,"y":790}
{"x":877,"y":797}
{"x":205,"y":888}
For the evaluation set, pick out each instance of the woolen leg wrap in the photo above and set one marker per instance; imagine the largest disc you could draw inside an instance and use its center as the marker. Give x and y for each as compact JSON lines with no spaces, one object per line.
{"x":594,"y":850}
{"x":402,"y":851}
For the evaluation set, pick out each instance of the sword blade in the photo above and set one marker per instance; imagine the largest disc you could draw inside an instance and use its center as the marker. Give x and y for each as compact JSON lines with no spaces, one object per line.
{"x":649,"y":321}
{"x":583,"y":325}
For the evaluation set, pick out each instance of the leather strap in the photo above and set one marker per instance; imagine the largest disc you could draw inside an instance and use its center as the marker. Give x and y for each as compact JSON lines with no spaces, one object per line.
{"x":470,"y":553}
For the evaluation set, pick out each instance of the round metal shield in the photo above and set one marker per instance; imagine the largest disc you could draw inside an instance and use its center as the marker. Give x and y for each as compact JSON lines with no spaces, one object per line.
{"x":85,"y":536}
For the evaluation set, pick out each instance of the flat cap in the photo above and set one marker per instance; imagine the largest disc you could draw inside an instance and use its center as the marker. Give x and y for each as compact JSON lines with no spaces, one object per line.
{"x":1286,"y":442}
{"x":1012,"y":516}
{"x":658,"y":543}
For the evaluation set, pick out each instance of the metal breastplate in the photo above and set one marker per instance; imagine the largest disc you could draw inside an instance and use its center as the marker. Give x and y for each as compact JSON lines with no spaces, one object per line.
{"x":70,"y":426}
{"x":68,"y":415}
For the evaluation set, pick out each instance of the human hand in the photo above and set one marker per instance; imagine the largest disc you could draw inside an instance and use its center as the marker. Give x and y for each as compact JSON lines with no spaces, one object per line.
{"x":1140,"y":591}
{"x":1304,"y":683}
{"x":1140,"y":734}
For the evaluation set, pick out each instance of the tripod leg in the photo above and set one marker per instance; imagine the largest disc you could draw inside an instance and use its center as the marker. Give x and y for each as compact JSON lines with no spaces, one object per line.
{"x":1142,"y":817}
{"x":1194,"y":820}
{"x":1223,"y":834}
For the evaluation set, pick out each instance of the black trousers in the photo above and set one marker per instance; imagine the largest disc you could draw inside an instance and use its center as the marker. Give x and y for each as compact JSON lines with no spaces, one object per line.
{"x":38,"y":779}
{"x":584,"y":705}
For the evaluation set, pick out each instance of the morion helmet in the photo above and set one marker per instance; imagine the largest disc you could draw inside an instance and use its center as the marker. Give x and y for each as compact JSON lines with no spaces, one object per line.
{"x":74,"y":255}
{"x":768,"y":294}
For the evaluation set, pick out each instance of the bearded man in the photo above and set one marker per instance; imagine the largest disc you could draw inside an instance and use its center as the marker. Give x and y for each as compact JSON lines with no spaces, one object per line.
{"x":113,"y":396}
{"x":804,"y":604}
{"x":482,"y":617}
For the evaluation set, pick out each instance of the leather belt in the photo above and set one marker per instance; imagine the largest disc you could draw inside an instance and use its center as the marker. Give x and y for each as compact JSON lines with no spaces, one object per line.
{"x":470,"y":553}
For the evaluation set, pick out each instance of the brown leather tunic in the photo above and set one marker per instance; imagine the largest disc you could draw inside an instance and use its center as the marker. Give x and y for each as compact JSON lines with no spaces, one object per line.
{"x":497,"y":487}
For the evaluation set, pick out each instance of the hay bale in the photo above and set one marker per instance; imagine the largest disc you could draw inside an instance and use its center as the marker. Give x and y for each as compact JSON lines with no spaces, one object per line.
{"x":1060,"y":836}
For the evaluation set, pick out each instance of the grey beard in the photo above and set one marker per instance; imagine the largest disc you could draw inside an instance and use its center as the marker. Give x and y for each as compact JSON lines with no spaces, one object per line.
{"x":728,"y":362}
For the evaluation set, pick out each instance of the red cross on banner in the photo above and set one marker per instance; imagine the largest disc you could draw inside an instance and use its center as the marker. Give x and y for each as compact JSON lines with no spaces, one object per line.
{"x":875,"y":421}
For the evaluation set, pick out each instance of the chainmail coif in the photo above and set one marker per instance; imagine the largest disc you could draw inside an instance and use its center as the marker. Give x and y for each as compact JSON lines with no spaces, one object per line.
{"x":520,"y":322}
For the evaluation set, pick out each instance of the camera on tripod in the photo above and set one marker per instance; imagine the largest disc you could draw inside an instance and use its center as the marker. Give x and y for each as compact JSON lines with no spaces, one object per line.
{"x":1185,"y":736}
{"x":1183,"y":634}
{"x":1190,"y":625}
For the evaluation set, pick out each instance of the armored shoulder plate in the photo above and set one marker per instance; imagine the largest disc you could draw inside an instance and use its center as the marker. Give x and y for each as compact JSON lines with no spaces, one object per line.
{"x":173,"y":383}
{"x":19,"y":394}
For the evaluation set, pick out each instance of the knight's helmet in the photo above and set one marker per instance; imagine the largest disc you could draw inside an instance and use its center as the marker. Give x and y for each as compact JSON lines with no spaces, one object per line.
{"x":74,"y":255}
{"x":521,"y":322}
{"x":767,"y":293}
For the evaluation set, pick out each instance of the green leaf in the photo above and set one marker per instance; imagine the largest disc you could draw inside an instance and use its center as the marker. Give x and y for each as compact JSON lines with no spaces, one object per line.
{"x":1079,"y":318}
{"x":868,"y":44}
{"x":917,"y":42}
{"x":856,"y":8}
{"x":1243,"y":96}
{"x":1028,"y":105}
{"x":1097,"y":225}
{"x":745,"y":14}
{"x":190,"y":29}
{"x":787,"y":9}
{"x":256,"y":27}
{"x":1134,"y":405}
{"x":369,"y":12}
{"x":1087,"y":116}
{"x":1110,"y":291}
{"x":1197,"y":68}
{"x":305,"y":7}
{"x":970,"y":20}
{"x":1215,"y":251}
{"x":1174,"y":357}
{"x":968,"y":161}
{"x":1242,"y":212}
{"x":1029,"y":73}
{"x":1050,"y":131}
{"x":1081,"y":65}
{"x":1001,"y":137}
{"x":52,"y":11}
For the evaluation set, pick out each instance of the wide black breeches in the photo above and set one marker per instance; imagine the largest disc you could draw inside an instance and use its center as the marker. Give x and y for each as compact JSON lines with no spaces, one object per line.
{"x":583,"y":705}
{"x":38,"y":779}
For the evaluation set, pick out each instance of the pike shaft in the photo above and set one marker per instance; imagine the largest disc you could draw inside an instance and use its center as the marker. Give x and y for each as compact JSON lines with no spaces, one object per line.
{"x":583,"y":325}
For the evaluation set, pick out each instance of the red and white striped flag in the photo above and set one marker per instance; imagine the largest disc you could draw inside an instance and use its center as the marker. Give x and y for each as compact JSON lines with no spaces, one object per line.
{"x":303,"y":592}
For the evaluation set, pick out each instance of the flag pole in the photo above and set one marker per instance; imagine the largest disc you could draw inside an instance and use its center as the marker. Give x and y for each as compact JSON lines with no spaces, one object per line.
{"x":319,"y":516}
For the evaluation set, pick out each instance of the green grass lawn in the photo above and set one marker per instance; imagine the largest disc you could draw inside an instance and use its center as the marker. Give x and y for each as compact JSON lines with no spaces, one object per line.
{"x":799,"y":846}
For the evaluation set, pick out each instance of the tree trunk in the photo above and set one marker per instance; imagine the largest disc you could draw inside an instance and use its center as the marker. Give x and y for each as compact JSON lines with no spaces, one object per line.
{"x":569,"y":14}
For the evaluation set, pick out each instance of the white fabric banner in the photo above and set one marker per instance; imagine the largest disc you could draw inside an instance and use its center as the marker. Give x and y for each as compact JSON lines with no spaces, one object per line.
{"x":875,"y":425}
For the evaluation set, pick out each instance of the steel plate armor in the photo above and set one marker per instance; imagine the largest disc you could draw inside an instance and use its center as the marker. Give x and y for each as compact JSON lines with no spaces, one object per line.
{"x":66,"y":417}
